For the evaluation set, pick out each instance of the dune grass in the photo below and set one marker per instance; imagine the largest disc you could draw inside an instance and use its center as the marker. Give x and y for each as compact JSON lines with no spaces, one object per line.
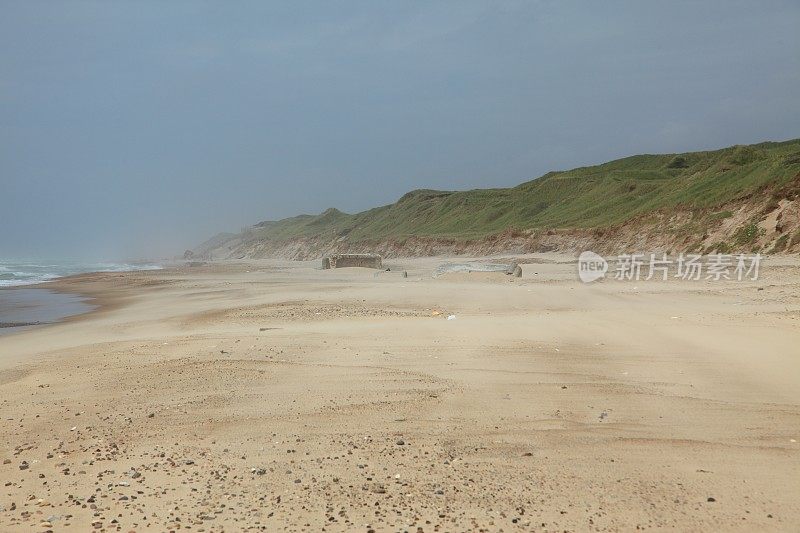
{"x":588,"y":197}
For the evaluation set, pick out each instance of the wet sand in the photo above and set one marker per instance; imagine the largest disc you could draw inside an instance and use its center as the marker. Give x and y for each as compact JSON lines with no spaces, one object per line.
{"x":24,"y":308}
{"x":271,"y":395}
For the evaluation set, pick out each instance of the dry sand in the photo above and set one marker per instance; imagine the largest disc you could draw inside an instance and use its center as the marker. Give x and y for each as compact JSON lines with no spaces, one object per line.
{"x":274,"y":396}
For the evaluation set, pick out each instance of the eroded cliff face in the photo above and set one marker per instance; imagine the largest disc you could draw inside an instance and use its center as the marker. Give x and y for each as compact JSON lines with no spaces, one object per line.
{"x":759,"y":223}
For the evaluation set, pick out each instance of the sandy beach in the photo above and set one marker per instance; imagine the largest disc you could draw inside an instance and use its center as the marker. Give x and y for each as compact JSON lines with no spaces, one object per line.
{"x":270,"y":395}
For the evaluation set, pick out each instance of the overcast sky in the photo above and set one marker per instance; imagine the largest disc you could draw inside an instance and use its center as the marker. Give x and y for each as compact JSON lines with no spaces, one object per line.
{"x":132,"y":129}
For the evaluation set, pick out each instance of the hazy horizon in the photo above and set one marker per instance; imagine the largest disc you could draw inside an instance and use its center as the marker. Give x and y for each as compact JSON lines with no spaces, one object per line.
{"x":136,"y":130}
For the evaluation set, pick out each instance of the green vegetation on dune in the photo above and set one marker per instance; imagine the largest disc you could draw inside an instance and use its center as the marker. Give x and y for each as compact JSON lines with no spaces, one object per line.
{"x":588,"y":197}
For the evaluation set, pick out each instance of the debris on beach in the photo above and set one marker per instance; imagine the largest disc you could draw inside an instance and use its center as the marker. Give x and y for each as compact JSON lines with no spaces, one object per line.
{"x":448,"y":268}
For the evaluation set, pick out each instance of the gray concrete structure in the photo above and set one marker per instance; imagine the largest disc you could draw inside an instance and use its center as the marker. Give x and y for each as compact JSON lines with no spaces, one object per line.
{"x":352,"y":260}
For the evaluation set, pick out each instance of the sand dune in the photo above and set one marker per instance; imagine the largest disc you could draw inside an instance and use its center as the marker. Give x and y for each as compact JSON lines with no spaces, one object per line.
{"x":272,"y":395}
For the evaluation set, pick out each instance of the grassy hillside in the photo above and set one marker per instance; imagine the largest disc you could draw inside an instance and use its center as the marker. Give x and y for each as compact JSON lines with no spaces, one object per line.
{"x":589,"y":197}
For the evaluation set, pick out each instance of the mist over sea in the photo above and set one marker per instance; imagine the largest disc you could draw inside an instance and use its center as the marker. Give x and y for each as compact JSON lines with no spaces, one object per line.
{"x":21,"y":272}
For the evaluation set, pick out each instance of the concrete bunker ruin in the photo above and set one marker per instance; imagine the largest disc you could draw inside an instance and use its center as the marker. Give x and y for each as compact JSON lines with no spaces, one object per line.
{"x":352,"y":260}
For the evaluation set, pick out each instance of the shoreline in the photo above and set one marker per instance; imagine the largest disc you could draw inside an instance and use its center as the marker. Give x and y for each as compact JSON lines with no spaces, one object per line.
{"x":26,"y":308}
{"x":82,"y":285}
{"x":98,"y":300}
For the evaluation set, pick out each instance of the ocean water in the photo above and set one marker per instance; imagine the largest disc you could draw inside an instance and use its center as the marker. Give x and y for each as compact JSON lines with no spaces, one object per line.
{"x":15,"y":273}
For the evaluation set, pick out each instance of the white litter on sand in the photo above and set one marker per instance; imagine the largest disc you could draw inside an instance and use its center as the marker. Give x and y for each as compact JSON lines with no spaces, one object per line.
{"x":446,"y":268}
